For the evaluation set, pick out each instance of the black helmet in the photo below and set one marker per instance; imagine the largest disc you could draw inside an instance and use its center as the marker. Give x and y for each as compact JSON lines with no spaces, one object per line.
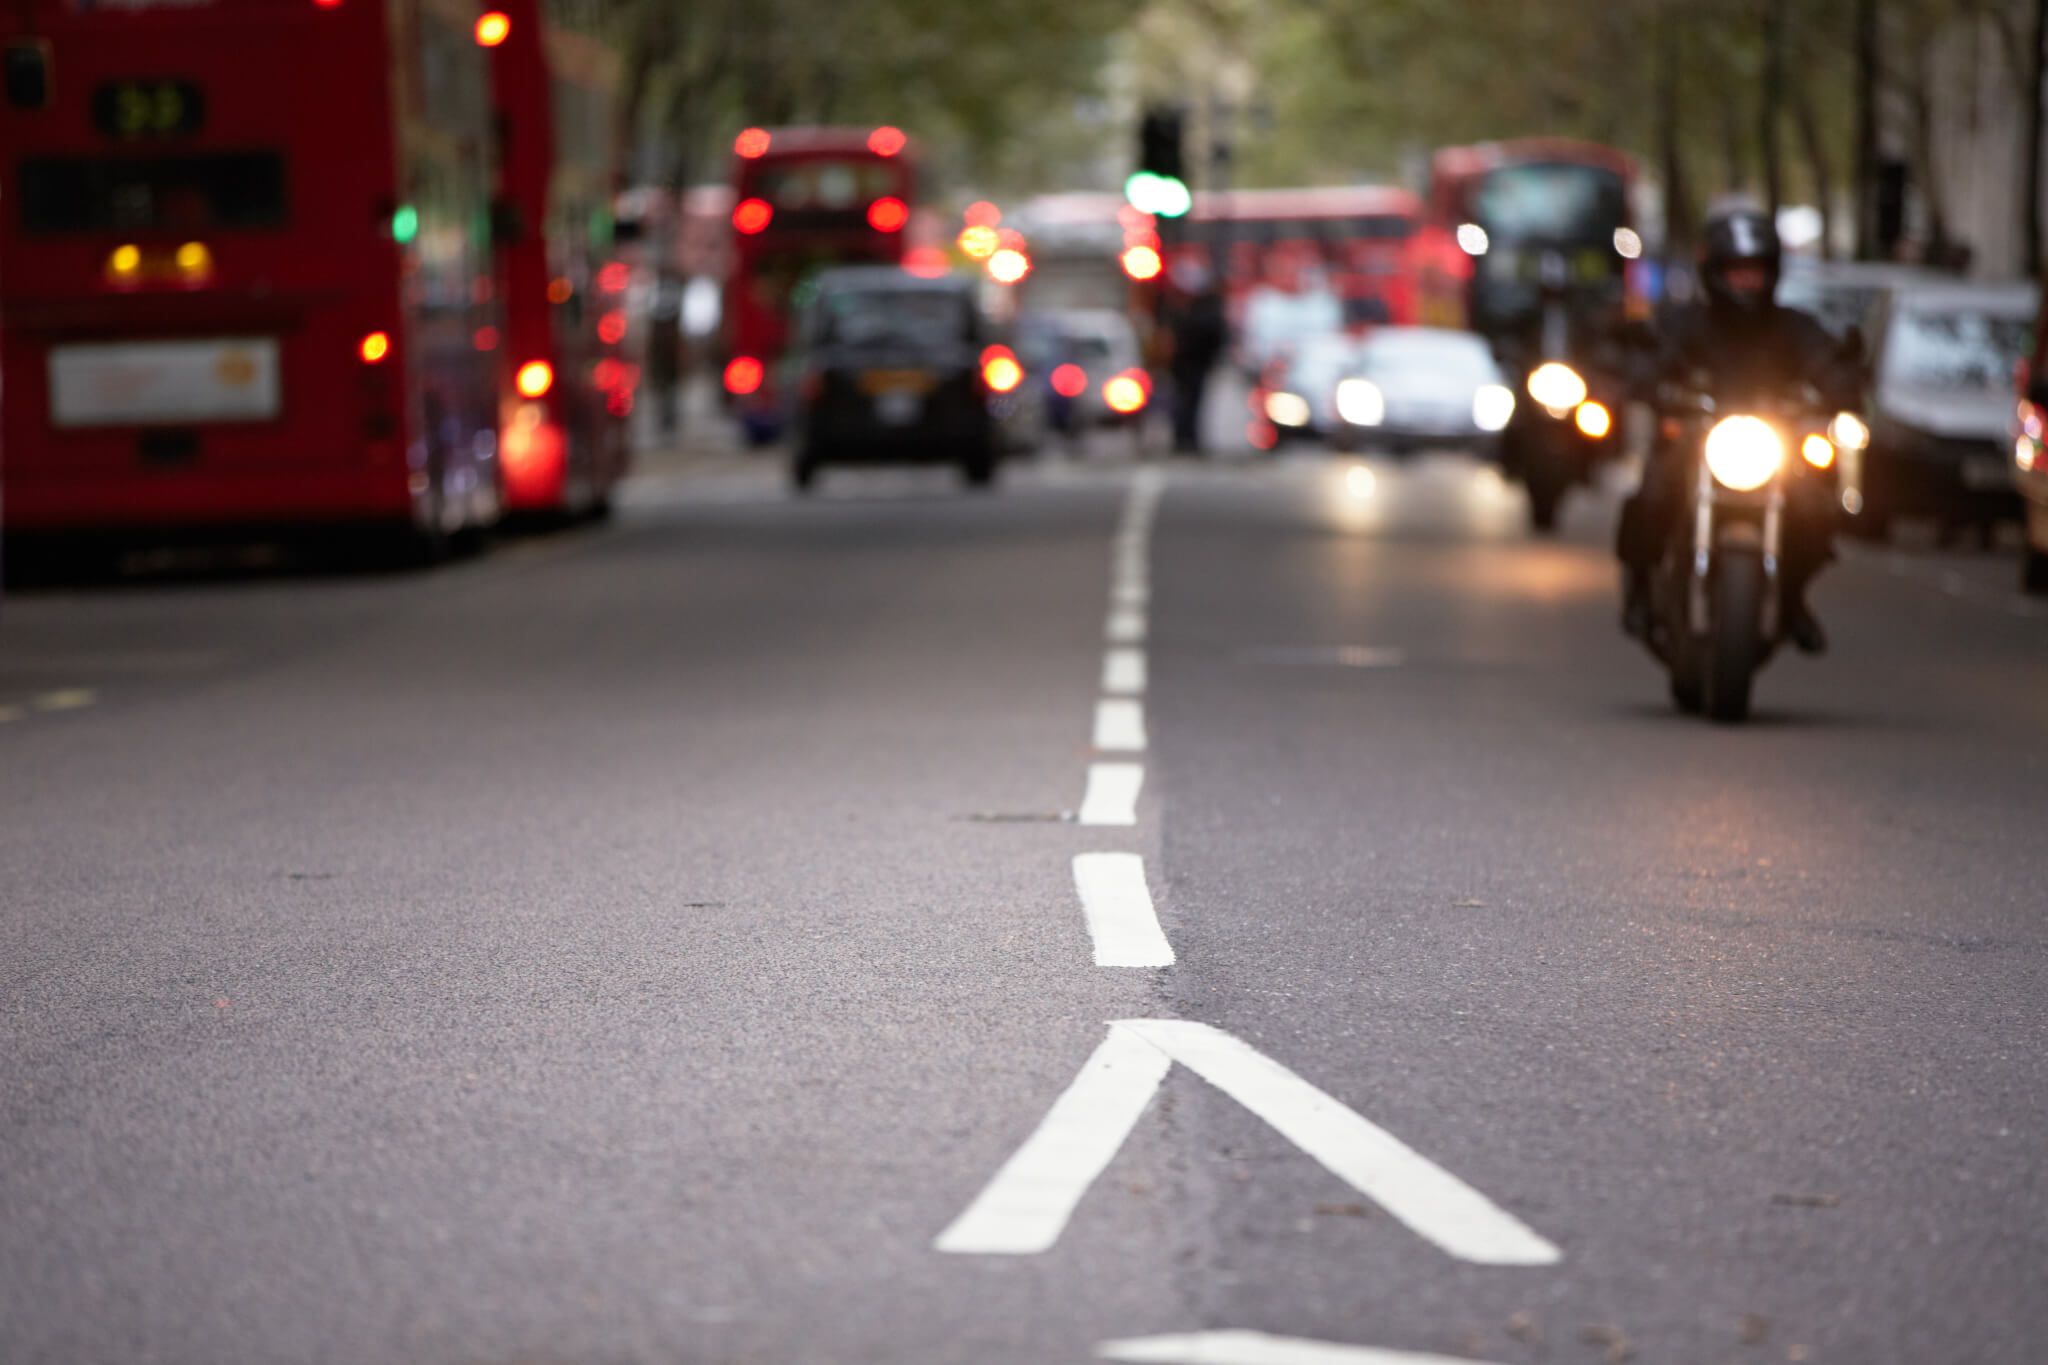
{"x":1736,"y":238}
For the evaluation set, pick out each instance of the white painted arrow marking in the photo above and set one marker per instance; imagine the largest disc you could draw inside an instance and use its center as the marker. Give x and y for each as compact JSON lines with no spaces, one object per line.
{"x":1435,"y":1204}
{"x":1026,"y":1207}
{"x":1259,"y":1348}
{"x":1118,"y":907}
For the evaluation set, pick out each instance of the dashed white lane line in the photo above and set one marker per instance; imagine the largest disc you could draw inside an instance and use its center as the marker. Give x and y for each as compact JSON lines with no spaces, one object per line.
{"x":1118,"y":908}
{"x":1130,"y":595}
{"x":1123,"y":670}
{"x":1125,"y":626}
{"x":1026,"y":1207}
{"x":1111,"y":797}
{"x":1120,"y":725}
{"x":1023,"y":1210}
{"x":1260,"y":1348}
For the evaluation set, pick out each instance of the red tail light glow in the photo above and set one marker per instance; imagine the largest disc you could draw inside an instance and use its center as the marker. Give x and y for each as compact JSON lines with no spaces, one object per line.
{"x":752,"y":215}
{"x":1141,"y":263}
{"x":888,"y":214}
{"x":751,"y":142}
{"x":1008,"y":266}
{"x":611,"y":328}
{"x":492,"y":28}
{"x":743,"y":375}
{"x":1000,"y":370}
{"x":886,"y":141}
{"x":534,"y":379}
{"x":981,"y":213}
{"x":614,"y":278}
{"x":1069,"y":380}
{"x":926,"y":262}
{"x":374,"y":347}
{"x":484,"y":338}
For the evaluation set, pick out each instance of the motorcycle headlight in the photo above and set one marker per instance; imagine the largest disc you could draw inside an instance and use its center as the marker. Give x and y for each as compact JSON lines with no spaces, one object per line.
{"x":1744,"y":452}
{"x":1594,"y":420}
{"x":1360,"y":402}
{"x":1492,"y":406}
{"x":1848,"y":432}
{"x":1556,"y":386}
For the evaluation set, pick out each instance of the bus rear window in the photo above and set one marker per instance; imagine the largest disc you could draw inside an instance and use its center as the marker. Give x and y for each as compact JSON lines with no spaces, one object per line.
{"x":222,"y":190}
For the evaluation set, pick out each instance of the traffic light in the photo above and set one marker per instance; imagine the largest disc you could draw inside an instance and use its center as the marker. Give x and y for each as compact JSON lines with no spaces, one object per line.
{"x":1159,"y":185}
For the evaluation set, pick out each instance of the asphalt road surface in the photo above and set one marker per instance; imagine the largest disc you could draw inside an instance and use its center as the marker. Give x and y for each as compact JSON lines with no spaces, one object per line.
{"x":664,"y":942}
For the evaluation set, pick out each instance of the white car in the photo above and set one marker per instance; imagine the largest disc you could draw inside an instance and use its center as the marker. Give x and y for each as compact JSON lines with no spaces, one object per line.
{"x":1410,"y":387}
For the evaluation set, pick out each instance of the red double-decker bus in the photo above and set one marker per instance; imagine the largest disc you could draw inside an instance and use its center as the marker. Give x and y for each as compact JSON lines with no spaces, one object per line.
{"x":566,"y":379}
{"x":1355,"y":241}
{"x":245,"y":265}
{"x":803,"y":199}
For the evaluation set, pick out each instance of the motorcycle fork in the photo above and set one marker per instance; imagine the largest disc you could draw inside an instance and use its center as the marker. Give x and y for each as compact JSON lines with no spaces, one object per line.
{"x":1703,"y":546}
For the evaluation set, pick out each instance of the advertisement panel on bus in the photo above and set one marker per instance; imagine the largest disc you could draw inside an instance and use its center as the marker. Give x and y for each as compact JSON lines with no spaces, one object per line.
{"x":804,"y":199}
{"x":245,"y":265}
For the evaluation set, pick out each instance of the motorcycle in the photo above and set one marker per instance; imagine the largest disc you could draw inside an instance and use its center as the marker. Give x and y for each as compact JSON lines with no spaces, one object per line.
{"x":1560,"y":438}
{"x":1715,"y":593}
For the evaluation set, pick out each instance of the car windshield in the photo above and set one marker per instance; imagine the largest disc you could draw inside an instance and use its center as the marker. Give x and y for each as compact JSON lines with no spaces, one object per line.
{"x":1957,"y":351}
{"x":900,"y":317}
{"x":1450,"y":358}
{"x":1837,"y":307}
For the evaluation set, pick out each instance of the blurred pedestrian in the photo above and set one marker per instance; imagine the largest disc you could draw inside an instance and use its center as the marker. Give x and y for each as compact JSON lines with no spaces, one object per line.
{"x":1200,"y":334}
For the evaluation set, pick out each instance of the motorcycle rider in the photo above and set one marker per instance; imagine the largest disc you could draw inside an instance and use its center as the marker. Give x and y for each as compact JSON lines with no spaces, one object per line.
{"x":1750,"y":349}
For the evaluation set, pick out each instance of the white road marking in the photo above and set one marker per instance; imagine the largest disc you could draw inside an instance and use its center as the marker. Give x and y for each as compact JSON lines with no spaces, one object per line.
{"x":1120,"y":724}
{"x":1435,"y":1204}
{"x":1123,"y":670}
{"x":1118,"y":908}
{"x":1129,"y":594}
{"x":65,"y":699}
{"x":8,"y":713}
{"x":1260,"y":1348}
{"x":1111,"y":797}
{"x":1125,"y":626}
{"x":1026,"y":1205}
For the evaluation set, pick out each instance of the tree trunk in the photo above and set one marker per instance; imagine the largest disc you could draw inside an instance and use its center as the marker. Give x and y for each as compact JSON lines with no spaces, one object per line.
{"x":1816,"y":147}
{"x":1866,"y":169}
{"x":2032,"y":90}
{"x":1770,"y":104}
{"x":1678,"y":215}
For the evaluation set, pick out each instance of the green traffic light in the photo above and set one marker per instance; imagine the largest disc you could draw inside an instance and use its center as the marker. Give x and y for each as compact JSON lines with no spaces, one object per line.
{"x":1161,"y":195}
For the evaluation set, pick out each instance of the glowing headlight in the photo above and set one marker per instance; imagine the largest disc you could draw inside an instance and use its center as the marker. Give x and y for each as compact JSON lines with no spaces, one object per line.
{"x":1557,"y":387}
{"x":1360,"y":402}
{"x":1818,"y":451}
{"x":1594,"y":420}
{"x":1627,"y":244}
{"x":1848,"y":432}
{"x":1744,"y":452}
{"x":1286,"y":409}
{"x":1492,"y":406}
{"x":1472,"y":239}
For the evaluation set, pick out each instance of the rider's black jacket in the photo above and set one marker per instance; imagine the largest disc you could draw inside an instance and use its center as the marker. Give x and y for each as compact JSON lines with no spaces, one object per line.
{"x":1749,"y":356}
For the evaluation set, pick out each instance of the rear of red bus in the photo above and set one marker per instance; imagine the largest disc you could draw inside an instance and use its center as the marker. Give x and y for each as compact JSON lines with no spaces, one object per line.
{"x":566,"y":382}
{"x":1359,"y":239}
{"x":244,"y":271}
{"x":804,"y":199}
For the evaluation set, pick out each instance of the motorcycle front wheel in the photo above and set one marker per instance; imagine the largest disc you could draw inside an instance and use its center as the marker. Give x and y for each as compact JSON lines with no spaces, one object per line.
{"x":1734,"y":644}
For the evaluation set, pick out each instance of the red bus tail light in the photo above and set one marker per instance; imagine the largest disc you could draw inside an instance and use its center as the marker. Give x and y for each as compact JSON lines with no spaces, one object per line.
{"x":887,"y":214}
{"x":752,"y":215}
{"x":611,"y":328}
{"x":1141,"y":262}
{"x":492,"y":28}
{"x":886,"y":141}
{"x":1000,"y":370}
{"x":374,"y":347}
{"x":1125,"y":392}
{"x":744,"y":375}
{"x":614,"y":278}
{"x":1069,"y":380}
{"x":534,"y":379}
{"x":124,"y":264}
{"x":751,"y":142}
{"x":1008,"y":266}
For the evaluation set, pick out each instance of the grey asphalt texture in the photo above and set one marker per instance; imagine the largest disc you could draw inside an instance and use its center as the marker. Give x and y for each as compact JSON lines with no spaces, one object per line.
{"x":637,"y":944}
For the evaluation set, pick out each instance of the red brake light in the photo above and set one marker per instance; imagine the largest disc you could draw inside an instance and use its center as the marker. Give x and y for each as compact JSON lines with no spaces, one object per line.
{"x":374,"y":347}
{"x":743,"y":375}
{"x":886,"y":141}
{"x":981,"y":213}
{"x":926,"y":262}
{"x":534,"y":379}
{"x":1125,"y":392}
{"x":752,"y":215}
{"x":611,"y":328}
{"x":492,"y":28}
{"x":1141,"y":263}
{"x":751,"y":142}
{"x":327,"y":4}
{"x":887,"y":215}
{"x":1069,"y":380}
{"x":614,"y":278}
{"x":1000,"y":370}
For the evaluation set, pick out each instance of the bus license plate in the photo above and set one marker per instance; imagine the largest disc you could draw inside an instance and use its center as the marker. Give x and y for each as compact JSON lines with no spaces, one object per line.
{"x":221,"y":379}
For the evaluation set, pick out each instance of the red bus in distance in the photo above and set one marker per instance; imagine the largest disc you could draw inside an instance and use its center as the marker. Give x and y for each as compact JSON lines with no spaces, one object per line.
{"x":245,"y":266}
{"x":803,"y":199}
{"x":1356,"y":241}
{"x":566,"y":381}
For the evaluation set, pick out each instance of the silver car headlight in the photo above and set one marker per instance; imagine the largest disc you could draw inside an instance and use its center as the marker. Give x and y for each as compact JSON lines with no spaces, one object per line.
{"x":1492,"y":406}
{"x":1744,"y":452}
{"x":1360,"y":402}
{"x":1557,"y":386}
{"x":1286,"y":409}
